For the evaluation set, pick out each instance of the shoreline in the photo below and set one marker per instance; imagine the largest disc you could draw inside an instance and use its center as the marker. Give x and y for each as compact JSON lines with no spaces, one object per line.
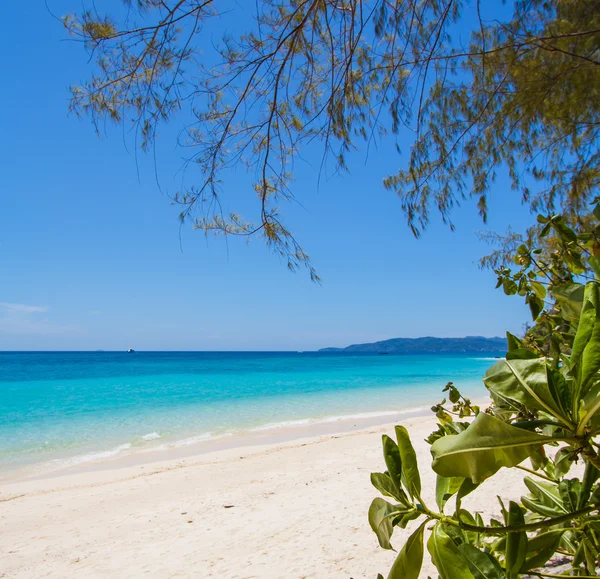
{"x":296,"y":509}
{"x":161,"y":450}
{"x":165,"y":450}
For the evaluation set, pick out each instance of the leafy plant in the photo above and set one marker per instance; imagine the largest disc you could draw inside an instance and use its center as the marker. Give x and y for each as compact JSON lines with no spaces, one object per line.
{"x":545,"y":407}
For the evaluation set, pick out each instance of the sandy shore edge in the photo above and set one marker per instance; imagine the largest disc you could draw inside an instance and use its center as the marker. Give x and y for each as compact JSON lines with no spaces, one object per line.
{"x":292,"y":509}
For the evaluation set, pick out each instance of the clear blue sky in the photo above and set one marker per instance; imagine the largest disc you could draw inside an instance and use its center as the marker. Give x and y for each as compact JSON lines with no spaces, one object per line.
{"x":92,"y":256}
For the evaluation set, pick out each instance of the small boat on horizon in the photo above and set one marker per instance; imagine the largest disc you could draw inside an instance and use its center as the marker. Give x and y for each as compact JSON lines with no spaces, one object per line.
{"x":130,"y":351}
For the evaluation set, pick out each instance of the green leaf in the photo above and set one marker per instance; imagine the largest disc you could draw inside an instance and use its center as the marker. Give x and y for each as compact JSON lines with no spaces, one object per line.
{"x":483,"y":448}
{"x":445,"y":487}
{"x":516,"y":350}
{"x":591,"y":555}
{"x":466,"y":517}
{"x":563,"y":461}
{"x":590,"y":406}
{"x":445,"y":555}
{"x":467,"y":487}
{"x":564,"y":232}
{"x":545,"y":492}
{"x":391,"y":454}
{"x":509,"y":286}
{"x":380,"y":519}
{"x":536,"y":305}
{"x":384,"y":484}
{"x":539,"y":460}
{"x":516,"y":543}
{"x":594,"y":264}
{"x":545,"y":230}
{"x":521,"y":354}
{"x":590,"y":476}
{"x":585,"y":357}
{"x":410,"y":559}
{"x":513,"y":342}
{"x":570,"y":491}
{"x":574,"y":262}
{"x":405,"y":518}
{"x":408,"y":459}
{"x":539,"y":289}
{"x":561,"y":389}
{"x":536,"y":506}
{"x":526,"y":382}
{"x":482,"y":565}
{"x":570,"y":298}
{"x":540,"y":548}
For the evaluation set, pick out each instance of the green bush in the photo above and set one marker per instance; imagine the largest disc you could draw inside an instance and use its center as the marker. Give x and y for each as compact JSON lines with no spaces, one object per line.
{"x":545,"y":407}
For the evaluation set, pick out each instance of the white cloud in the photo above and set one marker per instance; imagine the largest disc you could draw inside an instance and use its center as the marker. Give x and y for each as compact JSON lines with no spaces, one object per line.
{"x":12,"y":309}
{"x":27,"y":319}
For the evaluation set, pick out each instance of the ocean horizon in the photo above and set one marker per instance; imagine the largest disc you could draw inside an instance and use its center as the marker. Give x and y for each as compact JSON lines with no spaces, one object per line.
{"x":62,"y":409}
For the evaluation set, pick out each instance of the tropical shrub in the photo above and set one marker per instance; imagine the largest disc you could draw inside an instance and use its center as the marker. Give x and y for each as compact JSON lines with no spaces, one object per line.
{"x":545,"y":407}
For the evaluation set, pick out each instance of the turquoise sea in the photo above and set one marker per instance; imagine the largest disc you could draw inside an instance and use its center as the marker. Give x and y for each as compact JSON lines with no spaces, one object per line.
{"x":72,"y":407}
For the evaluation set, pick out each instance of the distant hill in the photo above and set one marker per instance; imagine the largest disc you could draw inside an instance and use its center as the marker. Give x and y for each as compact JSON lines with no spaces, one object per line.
{"x":427,"y":345}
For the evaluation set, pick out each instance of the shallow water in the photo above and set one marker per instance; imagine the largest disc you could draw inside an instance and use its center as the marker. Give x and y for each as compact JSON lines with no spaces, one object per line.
{"x":68,"y":408}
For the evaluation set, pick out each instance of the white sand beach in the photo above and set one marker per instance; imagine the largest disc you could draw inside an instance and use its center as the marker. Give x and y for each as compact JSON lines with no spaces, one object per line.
{"x":295,"y":509}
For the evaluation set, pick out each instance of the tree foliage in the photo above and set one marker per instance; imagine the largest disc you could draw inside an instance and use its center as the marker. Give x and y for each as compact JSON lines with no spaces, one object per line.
{"x":545,"y":408}
{"x":521,"y":94}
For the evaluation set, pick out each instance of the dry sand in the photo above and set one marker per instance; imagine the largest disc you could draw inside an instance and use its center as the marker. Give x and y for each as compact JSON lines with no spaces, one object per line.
{"x":294,"y":509}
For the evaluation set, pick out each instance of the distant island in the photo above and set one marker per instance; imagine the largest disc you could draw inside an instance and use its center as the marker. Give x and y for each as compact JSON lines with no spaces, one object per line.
{"x":427,"y":345}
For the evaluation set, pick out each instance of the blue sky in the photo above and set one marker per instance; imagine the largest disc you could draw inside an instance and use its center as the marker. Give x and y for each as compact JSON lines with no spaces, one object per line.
{"x":92,"y":255}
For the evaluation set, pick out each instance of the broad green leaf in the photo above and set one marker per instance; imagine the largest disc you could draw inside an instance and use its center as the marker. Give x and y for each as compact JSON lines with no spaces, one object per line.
{"x":509,"y":286}
{"x":445,"y":487}
{"x":591,"y":555}
{"x":590,"y":406}
{"x":594,"y":498}
{"x":594,"y":264}
{"x":521,"y":354}
{"x":570,"y":491}
{"x":568,"y":542}
{"x":563,"y":231}
{"x":384,"y":484}
{"x":526,"y":382}
{"x":410,"y":559}
{"x":545,"y":492}
{"x":540,"y":548}
{"x":391,"y":454}
{"x":466,"y":517}
{"x":516,"y":350}
{"x":539,"y":459}
{"x":574,"y":262}
{"x":482,"y":565}
{"x":483,"y":448}
{"x":563,"y":461}
{"x":513,"y":342}
{"x":539,"y":289}
{"x":589,"y":478}
{"x":405,"y":518}
{"x":380,"y":519}
{"x":467,"y":487}
{"x":536,"y":305}
{"x":516,"y":543}
{"x":561,"y":389}
{"x":585,"y":356}
{"x":570,"y":298}
{"x":445,"y":555}
{"x":408,"y":458}
{"x":536,"y":506}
